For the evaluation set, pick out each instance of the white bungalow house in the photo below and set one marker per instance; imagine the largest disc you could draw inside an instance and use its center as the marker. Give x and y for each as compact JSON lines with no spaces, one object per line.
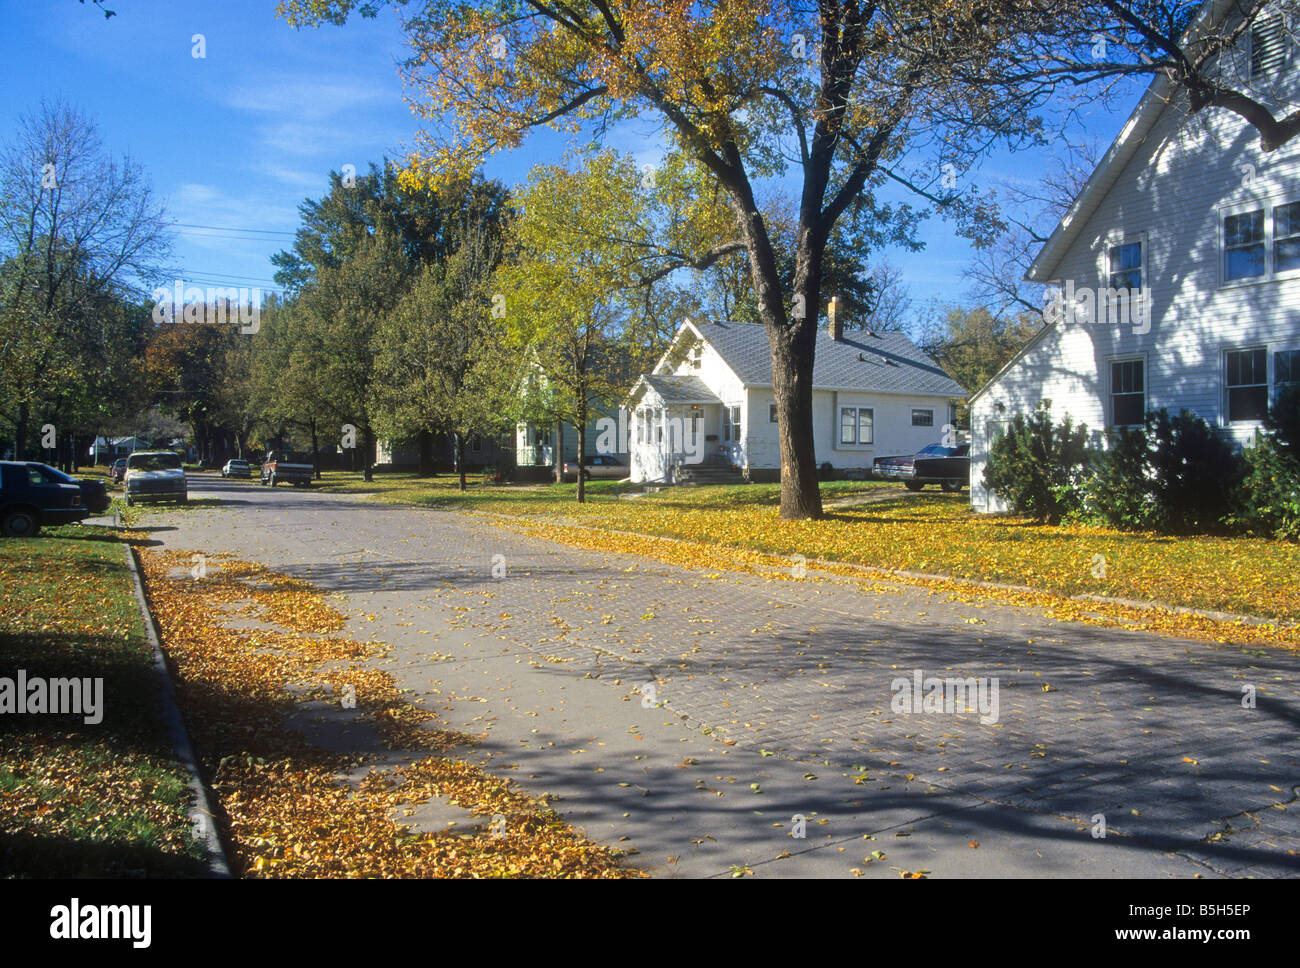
{"x":709,"y":402}
{"x":1174,"y":279}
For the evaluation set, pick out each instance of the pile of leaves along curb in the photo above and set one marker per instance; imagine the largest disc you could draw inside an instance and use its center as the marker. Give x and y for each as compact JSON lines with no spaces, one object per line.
{"x":286,"y":807}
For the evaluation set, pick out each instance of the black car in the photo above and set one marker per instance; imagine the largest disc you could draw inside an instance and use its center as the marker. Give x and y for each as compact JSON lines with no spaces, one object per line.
{"x":949,"y":467}
{"x":33,"y":495}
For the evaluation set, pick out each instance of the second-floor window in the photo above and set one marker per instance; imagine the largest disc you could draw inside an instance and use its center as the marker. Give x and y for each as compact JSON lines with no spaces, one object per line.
{"x":1124,"y":266}
{"x":1243,"y":245}
{"x":1247,"y":384}
{"x":922,"y":418}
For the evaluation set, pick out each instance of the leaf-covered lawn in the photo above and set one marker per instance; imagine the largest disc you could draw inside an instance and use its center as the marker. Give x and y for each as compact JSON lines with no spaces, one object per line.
{"x":928,"y":532}
{"x":79,"y":799}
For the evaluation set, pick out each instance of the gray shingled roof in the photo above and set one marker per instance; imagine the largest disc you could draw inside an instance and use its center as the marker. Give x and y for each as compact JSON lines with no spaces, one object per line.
{"x":883,"y":362}
{"x":682,"y":389}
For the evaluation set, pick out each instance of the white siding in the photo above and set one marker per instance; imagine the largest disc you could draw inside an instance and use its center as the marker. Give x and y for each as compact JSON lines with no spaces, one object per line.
{"x":1171,"y":195}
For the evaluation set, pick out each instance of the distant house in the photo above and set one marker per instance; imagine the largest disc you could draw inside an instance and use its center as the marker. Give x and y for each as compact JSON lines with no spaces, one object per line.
{"x":1174,"y":277}
{"x":709,"y":404}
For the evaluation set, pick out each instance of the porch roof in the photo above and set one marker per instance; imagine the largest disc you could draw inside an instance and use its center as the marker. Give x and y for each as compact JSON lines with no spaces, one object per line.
{"x":676,"y":389}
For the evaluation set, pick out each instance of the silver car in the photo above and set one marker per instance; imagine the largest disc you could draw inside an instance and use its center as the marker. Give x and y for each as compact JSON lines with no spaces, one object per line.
{"x":597,"y":467}
{"x":155,"y":475}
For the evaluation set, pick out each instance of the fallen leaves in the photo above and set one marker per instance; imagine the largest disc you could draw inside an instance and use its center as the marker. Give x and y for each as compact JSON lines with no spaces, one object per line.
{"x":288,"y":807}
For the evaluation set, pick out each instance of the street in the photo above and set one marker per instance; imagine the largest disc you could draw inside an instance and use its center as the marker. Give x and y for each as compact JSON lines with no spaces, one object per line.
{"x":1110,"y":753}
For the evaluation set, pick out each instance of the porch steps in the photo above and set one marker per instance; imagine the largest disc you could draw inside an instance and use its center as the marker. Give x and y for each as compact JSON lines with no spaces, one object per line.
{"x":710,"y":474}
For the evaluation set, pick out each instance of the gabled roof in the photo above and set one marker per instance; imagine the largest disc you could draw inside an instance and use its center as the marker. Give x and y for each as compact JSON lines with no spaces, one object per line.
{"x":676,"y":389}
{"x":878,"y":362}
{"x":1157,"y":97}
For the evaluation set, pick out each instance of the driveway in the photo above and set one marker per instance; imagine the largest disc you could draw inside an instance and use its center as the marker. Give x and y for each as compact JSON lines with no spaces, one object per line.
{"x":1110,"y":753}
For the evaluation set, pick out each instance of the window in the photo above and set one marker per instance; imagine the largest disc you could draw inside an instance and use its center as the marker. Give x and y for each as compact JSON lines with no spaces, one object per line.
{"x":1286,"y":237}
{"x":1286,"y":368}
{"x":771,"y":413}
{"x":1124,"y":266}
{"x":1247,"y":384}
{"x":1243,"y":245}
{"x":857,"y":425}
{"x":1267,"y":46}
{"x":1128,"y":393}
{"x":922,"y":418}
{"x":731,"y":425}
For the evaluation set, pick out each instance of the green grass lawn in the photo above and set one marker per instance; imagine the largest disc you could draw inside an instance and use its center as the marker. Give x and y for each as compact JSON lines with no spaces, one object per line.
{"x":927,"y":532}
{"x":79,"y":799}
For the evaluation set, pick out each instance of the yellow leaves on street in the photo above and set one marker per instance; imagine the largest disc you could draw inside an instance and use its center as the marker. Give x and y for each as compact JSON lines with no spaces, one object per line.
{"x":287,"y":805}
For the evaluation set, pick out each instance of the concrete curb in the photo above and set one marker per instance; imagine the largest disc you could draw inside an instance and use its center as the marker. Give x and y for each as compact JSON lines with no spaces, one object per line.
{"x":200,"y":812}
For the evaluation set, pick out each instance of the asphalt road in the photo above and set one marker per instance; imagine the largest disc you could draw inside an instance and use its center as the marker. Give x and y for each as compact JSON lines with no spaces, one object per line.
{"x":779,"y":701}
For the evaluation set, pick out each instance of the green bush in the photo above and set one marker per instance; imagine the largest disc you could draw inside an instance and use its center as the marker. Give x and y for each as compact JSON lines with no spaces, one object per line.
{"x":1038,"y":466}
{"x":1172,"y":475}
{"x":1118,"y":492}
{"x":1268,"y":500}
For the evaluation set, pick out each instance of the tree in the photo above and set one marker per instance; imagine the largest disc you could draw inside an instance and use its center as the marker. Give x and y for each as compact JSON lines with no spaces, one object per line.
{"x":972,"y":344}
{"x":77,"y":231}
{"x":339,"y":314}
{"x":570,"y":297}
{"x":1220,"y":56}
{"x":747,"y":90}
{"x":442,"y":360}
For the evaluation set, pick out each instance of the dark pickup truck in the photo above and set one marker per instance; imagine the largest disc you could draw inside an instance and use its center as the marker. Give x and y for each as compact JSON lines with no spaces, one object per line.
{"x":33,"y":495}
{"x":949,"y":467}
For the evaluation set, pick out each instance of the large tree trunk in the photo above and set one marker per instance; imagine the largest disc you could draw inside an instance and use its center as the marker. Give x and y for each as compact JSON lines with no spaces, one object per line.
{"x":368,"y":443}
{"x":792,"y":342}
{"x":426,"y":454}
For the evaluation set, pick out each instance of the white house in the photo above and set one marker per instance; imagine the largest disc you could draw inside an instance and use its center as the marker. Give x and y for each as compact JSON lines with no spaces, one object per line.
{"x":1174,"y":279}
{"x":709,"y":402}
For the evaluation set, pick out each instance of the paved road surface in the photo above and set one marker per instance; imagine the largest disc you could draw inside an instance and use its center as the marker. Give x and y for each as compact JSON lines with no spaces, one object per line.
{"x":1145,"y":731}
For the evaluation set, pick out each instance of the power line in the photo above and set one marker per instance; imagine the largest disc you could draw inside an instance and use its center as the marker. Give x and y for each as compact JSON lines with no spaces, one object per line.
{"x":233,"y":228}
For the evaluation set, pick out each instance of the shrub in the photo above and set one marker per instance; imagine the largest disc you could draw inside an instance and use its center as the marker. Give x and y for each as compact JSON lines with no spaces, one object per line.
{"x":1037,"y":466}
{"x":1174,"y":475}
{"x":1118,"y":493}
{"x":1268,"y":500}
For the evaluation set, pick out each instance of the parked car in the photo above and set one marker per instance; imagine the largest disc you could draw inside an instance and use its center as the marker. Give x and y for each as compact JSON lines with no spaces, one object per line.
{"x":155,"y":475}
{"x":237,"y":468}
{"x":34,"y":495}
{"x":280,"y":467}
{"x":601,"y":466}
{"x":949,"y":467}
{"x":117,"y":470}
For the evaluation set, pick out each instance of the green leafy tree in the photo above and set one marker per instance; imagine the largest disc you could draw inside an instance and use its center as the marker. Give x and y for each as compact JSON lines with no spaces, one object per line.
{"x":443,"y":362}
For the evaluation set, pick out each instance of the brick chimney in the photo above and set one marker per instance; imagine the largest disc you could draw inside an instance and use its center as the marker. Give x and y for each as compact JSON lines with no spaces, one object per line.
{"x":833,"y":319}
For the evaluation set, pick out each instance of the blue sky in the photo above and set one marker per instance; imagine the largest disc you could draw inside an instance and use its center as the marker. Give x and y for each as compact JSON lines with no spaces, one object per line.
{"x":237,"y":139}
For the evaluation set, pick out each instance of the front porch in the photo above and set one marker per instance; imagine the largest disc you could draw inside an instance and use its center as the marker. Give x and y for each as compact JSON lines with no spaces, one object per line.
{"x":679,"y":429}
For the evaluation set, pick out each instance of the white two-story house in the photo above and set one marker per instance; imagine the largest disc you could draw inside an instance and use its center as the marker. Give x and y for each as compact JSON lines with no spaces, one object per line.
{"x":709,"y":401}
{"x":1174,"y":279}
